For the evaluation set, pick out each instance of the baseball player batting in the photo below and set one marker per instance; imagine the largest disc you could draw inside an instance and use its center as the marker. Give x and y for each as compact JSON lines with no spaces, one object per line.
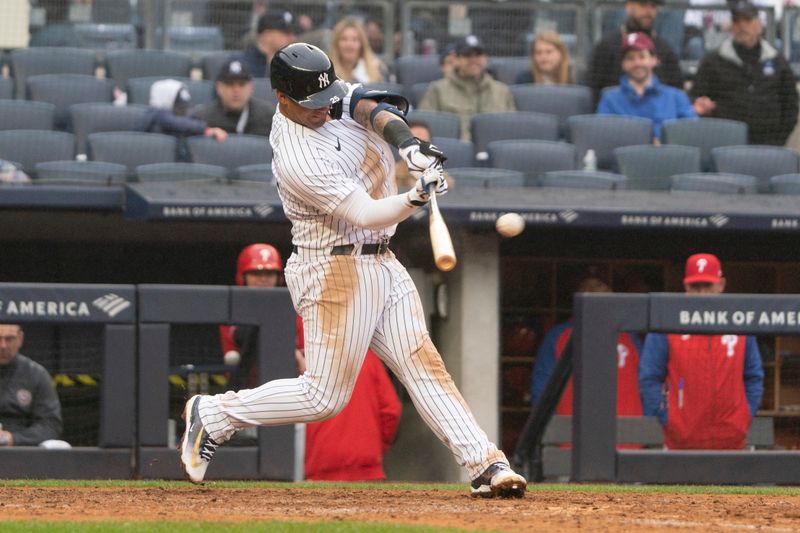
{"x":335,"y":173}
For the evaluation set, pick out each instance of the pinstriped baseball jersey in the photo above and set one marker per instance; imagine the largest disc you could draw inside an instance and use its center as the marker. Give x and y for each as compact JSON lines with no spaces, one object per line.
{"x":316,"y":169}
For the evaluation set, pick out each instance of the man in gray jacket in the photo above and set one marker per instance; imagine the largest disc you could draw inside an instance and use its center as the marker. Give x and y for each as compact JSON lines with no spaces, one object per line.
{"x":30,"y":412}
{"x":469,"y":89}
{"x":235,"y":110}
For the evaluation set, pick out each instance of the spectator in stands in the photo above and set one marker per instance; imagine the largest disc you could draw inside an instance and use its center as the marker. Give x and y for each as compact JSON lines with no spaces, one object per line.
{"x":375,"y":35}
{"x":469,"y":89}
{"x":169,"y":103}
{"x":351,"y":445}
{"x":30,"y":413}
{"x":275,"y":29}
{"x":235,"y":110}
{"x":351,"y":55}
{"x":747,"y":79}
{"x":550,"y":61}
{"x":448,"y":59}
{"x":552,"y":347}
{"x":640,"y":93}
{"x":605,"y":66}
{"x":704,"y":389}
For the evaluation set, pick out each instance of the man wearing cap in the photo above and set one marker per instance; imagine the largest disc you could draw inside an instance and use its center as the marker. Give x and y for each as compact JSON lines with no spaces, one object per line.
{"x":605,"y":66}
{"x":747,"y":79}
{"x":640,"y":92}
{"x":235,"y":110}
{"x":468,"y":89}
{"x":275,"y":29}
{"x":704,"y":389}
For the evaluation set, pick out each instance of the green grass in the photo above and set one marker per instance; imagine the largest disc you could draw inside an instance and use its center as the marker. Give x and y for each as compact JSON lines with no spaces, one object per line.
{"x":543,"y":487}
{"x":213,"y":527}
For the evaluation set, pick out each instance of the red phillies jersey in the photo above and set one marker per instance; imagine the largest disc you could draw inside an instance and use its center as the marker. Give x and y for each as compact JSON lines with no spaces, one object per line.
{"x":706,"y":398}
{"x":628,"y":401}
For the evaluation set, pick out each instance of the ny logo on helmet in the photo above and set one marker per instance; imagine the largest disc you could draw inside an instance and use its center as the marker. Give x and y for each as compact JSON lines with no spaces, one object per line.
{"x":323,"y":80}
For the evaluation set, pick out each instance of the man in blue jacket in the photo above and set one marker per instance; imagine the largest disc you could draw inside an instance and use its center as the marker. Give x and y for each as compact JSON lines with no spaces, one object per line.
{"x":640,"y":93}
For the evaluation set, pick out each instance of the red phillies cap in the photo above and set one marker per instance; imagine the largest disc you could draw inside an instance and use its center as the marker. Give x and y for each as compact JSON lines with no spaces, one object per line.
{"x":703,"y":268}
{"x":637,"y":41}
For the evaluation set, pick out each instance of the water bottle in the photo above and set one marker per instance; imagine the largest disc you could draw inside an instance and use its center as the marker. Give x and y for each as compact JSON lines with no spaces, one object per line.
{"x":590,"y":161}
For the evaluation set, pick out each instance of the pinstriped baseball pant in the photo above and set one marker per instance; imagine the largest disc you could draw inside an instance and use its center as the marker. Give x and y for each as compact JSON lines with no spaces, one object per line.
{"x":350,"y":303}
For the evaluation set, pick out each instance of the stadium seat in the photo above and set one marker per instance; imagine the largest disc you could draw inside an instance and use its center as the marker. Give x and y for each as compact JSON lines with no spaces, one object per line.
{"x":263,"y":90}
{"x":715,"y":182}
{"x":649,"y":167}
{"x":80,"y":173}
{"x":25,"y":115}
{"x":521,"y":125}
{"x":126,"y":64}
{"x":763,"y":162}
{"x":212,"y":62}
{"x":28,"y":147}
{"x":532,"y":158}
{"x":561,"y":100}
{"x":785,"y":184}
{"x":506,"y":69}
{"x":192,"y":39}
{"x":64,"y":90}
{"x":486,"y":177}
{"x":138,"y":89}
{"x":584,"y":179}
{"x":417,"y":69}
{"x":441,"y":123}
{"x":236,"y":151}
{"x":132,"y":148}
{"x":181,"y":172}
{"x":258,"y":172}
{"x":603,"y":133}
{"x":6,"y":88}
{"x":705,"y":133}
{"x":49,"y":60}
{"x":459,"y":153}
{"x":416,"y":92}
{"x":106,"y":36}
{"x":94,"y":117}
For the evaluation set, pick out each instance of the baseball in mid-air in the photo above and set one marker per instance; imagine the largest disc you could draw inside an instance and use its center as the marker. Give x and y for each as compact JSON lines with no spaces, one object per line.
{"x":510,"y":224}
{"x":232,"y":357}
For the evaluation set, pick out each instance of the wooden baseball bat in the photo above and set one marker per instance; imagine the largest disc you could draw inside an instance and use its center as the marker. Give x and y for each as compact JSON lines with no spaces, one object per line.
{"x":443,"y":253}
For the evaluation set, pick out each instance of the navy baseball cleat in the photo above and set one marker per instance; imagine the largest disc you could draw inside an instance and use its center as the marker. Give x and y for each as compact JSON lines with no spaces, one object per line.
{"x":499,"y":480}
{"x":197,"y":447}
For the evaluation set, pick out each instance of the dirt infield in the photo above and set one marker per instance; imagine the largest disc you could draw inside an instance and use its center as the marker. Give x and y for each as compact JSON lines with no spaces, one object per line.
{"x":539,"y":511}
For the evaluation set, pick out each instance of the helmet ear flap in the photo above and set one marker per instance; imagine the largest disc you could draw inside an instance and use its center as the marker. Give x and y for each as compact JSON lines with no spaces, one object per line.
{"x":336,"y":110}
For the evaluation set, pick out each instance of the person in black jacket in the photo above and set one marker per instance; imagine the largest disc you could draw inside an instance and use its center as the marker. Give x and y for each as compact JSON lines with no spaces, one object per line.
{"x":235,"y":110}
{"x":605,"y":67}
{"x":30,"y":412}
{"x":747,"y":79}
{"x":275,"y":29}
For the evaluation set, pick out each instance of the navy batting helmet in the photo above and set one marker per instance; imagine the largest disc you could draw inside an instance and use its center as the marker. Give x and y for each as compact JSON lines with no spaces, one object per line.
{"x":306,"y":75}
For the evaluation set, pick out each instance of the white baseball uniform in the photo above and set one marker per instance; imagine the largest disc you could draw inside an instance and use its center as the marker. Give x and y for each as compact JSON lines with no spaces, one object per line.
{"x":348,"y":302}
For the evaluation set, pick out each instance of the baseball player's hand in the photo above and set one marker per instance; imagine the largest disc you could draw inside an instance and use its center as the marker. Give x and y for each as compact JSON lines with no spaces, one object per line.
{"x":420,"y":155}
{"x":433,"y":176}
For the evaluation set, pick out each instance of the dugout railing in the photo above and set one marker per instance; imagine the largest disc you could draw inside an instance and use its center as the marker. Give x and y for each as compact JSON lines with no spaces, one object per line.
{"x":598,"y":319}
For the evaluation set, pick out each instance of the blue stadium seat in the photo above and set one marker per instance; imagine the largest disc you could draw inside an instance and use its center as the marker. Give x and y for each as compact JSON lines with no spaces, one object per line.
{"x":508,"y":68}
{"x":106,"y":36}
{"x":193,"y":39}
{"x":715,"y":182}
{"x":650,"y":167}
{"x":459,"y":153}
{"x":521,"y":125}
{"x":705,"y":133}
{"x":562,"y":100}
{"x":28,"y":147}
{"x":261,"y":172}
{"x":73,"y":172}
{"x":785,"y":184}
{"x":181,"y":172}
{"x":138,"y":89}
{"x":603,"y":133}
{"x":64,"y":90}
{"x":132,"y":148}
{"x":486,"y":177}
{"x":441,"y":123}
{"x":126,"y":64}
{"x":212,"y":62}
{"x":763,"y":162}
{"x":263,"y":90}
{"x":25,"y":115}
{"x":94,"y":118}
{"x":583,"y":179}
{"x":236,"y":151}
{"x":6,"y":88}
{"x":417,"y":91}
{"x":417,"y":69}
{"x":49,"y":60}
{"x":532,"y":158}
